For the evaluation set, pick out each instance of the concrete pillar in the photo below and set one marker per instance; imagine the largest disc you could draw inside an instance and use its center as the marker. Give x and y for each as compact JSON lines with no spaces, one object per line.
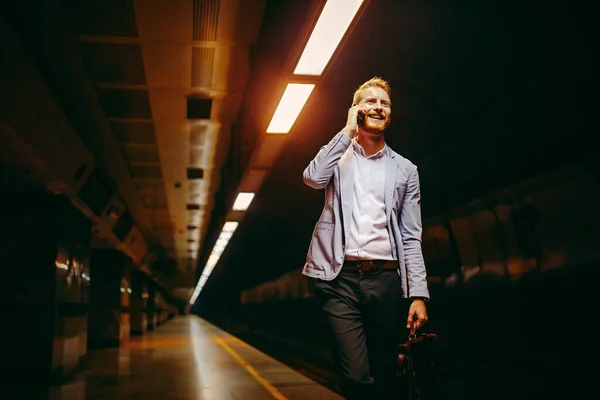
{"x":150,"y":305}
{"x":43,"y":258}
{"x":139,"y":320}
{"x":108,"y":319}
{"x":158,"y":308}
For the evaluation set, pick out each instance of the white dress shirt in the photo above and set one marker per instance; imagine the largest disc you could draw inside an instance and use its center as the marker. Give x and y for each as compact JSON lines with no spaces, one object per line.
{"x":369,"y":238}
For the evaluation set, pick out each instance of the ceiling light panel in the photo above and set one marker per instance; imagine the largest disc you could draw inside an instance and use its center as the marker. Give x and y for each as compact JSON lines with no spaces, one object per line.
{"x":290,"y":105}
{"x":326,"y":36}
{"x":230,"y":226}
{"x":243,"y":200}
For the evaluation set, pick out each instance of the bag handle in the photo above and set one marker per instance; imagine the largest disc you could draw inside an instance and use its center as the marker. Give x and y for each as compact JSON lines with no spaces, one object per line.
{"x":413,"y":331}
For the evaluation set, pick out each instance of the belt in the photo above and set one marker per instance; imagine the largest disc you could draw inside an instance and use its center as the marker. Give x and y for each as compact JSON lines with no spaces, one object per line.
{"x":369,"y":265}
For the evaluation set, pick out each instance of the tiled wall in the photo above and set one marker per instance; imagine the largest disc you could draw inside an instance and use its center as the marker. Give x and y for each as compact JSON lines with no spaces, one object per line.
{"x":44,"y":255}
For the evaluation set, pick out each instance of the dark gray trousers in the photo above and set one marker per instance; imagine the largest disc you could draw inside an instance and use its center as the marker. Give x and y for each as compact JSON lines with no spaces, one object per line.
{"x":364,"y":311}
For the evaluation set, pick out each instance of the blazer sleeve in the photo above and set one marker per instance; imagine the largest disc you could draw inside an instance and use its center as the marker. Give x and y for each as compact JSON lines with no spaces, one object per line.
{"x":318,"y":173}
{"x":411,"y":230}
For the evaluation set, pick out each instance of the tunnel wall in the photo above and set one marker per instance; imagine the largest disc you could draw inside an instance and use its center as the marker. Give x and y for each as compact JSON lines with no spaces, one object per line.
{"x":541,"y":225}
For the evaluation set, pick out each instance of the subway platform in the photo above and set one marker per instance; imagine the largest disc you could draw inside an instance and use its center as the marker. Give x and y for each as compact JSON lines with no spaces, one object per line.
{"x":188,"y":358}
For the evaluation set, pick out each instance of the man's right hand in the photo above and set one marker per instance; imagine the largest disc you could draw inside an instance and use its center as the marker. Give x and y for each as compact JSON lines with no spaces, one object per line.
{"x":351,"y":128}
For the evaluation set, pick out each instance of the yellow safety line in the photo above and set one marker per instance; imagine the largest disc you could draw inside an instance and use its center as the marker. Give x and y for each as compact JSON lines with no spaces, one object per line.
{"x":251,"y":370}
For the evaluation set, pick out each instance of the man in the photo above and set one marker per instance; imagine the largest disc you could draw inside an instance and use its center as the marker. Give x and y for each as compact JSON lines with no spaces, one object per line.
{"x":365,"y":253}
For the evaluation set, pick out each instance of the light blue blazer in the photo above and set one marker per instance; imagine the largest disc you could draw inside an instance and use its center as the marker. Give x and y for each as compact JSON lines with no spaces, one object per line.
{"x":332,"y":170}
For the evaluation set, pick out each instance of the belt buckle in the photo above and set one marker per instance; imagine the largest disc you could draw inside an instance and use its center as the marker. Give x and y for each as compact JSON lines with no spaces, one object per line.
{"x":366,"y":265}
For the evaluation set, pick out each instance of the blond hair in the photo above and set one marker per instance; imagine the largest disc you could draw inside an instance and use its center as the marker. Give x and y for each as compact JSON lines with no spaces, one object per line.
{"x":373,"y":82}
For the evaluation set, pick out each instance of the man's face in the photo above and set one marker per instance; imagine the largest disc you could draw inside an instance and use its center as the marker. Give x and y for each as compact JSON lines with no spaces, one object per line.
{"x":376,"y":102}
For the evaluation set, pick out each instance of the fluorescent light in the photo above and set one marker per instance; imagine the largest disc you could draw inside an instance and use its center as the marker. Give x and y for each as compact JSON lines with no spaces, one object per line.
{"x":243,"y":200}
{"x":289,"y":107}
{"x":218,"y":249}
{"x":230,"y":226}
{"x":207,"y":270}
{"x":226,"y":235}
{"x":325,"y":38}
{"x":193,"y":298}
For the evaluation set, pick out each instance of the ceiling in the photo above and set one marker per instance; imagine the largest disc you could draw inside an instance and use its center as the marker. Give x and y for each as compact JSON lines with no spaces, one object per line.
{"x":179,"y":94}
{"x":169,"y":77}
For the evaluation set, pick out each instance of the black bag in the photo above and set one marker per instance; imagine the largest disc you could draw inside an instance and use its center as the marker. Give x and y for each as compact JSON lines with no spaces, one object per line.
{"x":418,"y":366}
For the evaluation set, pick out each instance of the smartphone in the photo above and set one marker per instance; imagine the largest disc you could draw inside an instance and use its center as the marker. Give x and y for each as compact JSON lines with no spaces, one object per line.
{"x":360,"y":117}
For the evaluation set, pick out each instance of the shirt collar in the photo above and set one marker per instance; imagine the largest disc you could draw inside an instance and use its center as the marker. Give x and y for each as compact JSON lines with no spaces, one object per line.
{"x":360,"y":151}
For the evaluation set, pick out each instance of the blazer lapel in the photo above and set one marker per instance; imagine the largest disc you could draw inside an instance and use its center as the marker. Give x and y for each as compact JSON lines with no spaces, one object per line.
{"x":390,"y":181}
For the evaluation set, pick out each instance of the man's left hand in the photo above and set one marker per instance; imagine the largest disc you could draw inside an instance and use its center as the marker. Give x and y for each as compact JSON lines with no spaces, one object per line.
{"x":417,"y":314}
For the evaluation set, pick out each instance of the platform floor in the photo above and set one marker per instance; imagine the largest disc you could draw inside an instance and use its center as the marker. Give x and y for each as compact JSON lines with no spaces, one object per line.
{"x":187,"y":358}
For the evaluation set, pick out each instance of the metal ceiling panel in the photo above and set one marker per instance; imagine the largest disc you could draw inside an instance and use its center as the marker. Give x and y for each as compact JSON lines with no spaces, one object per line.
{"x":114,"y":62}
{"x":134,"y":133}
{"x":122,"y":103}
{"x":161,"y":218}
{"x":146,"y":171}
{"x":150,"y":184}
{"x":114,"y":18}
{"x":155,"y":202}
{"x":141,"y":155}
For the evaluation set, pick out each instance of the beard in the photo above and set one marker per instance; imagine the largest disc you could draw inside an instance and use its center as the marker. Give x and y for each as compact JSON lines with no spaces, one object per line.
{"x":375,"y":127}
